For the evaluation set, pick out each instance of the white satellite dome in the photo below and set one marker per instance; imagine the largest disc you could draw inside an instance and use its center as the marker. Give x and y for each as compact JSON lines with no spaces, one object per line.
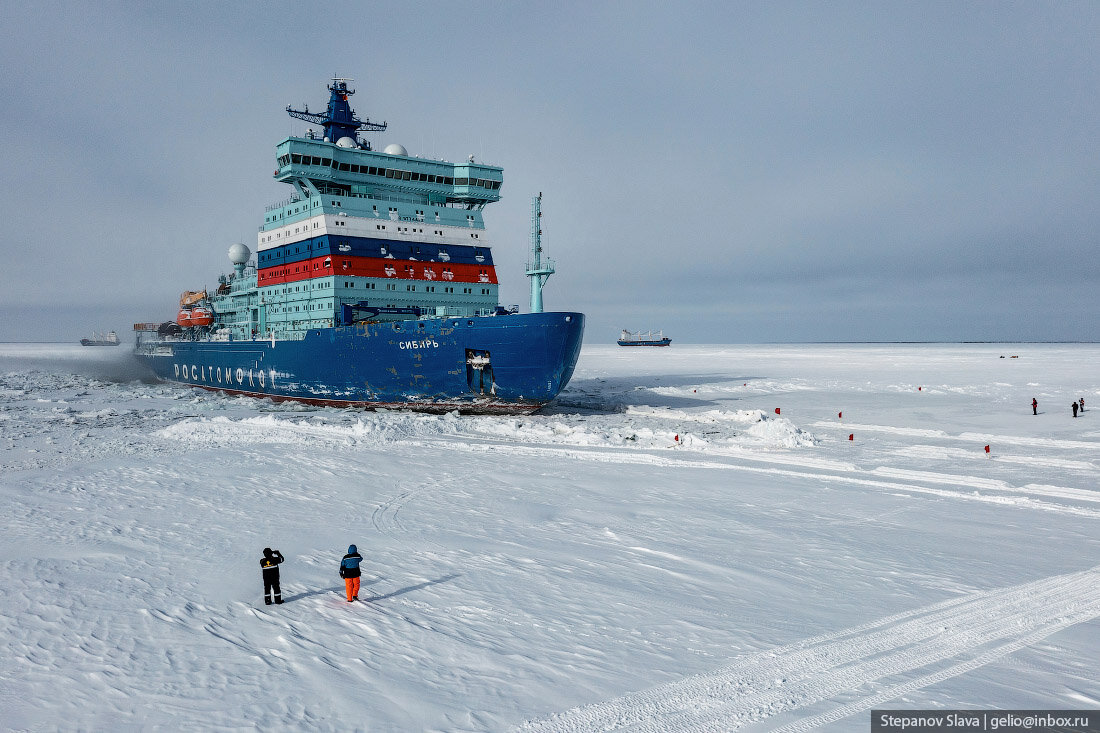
{"x":239,"y":254}
{"x":395,"y":149}
{"x":346,"y":142}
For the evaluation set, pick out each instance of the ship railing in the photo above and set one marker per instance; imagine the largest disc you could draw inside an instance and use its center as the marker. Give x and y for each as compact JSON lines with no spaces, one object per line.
{"x":545,"y":265}
{"x":281,"y":204}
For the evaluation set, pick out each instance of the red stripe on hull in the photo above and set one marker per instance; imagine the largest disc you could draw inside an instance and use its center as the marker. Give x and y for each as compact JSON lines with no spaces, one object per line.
{"x":379,"y":268}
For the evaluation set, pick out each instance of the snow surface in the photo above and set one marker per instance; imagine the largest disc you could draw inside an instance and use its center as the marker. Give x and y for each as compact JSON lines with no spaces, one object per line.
{"x":575,"y":570}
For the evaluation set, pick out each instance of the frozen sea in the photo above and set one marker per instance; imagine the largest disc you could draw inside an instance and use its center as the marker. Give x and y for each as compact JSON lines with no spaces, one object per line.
{"x":659,"y":550}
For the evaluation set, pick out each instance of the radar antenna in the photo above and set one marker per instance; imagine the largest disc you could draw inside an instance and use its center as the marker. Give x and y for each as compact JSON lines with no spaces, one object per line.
{"x":339,"y":119}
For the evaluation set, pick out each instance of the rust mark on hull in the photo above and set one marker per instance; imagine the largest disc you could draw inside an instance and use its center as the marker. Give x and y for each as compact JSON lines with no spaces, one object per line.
{"x":480,"y":407}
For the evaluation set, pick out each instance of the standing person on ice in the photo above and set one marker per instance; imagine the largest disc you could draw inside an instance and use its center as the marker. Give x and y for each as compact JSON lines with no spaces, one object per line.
{"x":1074,"y":406}
{"x":1034,"y":406}
{"x":270,"y":564}
{"x":349,"y":571}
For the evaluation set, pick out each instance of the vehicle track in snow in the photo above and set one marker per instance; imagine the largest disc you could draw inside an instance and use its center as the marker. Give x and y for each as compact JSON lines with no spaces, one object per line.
{"x":875,"y":663}
{"x":1030,"y":496}
{"x":386,"y":516}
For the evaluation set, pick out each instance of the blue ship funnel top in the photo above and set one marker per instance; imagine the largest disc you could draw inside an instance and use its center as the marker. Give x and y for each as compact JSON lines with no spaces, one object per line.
{"x":339,"y":119}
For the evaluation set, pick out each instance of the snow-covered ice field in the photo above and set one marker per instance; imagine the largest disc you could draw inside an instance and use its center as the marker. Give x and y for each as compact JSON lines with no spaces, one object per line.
{"x":576,"y":570}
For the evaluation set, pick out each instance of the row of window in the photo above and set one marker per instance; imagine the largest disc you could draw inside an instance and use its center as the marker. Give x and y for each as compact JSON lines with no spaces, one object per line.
{"x":394,"y":214}
{"x":288,"y":212}
{"x":314,"y":285}
{"x":297,"y":309}
{"x":368,"y":286}
{"x":390,"y":270}
{"x":344,"y":223}
{"x":395,"y":173}
{"x":442,"y":254}
{"x":328,"y":305}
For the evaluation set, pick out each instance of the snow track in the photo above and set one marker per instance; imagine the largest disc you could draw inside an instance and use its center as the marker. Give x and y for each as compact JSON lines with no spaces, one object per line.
{"x":874,"y":662}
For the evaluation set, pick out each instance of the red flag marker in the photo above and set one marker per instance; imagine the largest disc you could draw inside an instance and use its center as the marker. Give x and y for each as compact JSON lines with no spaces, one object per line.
{"x":839,"y":415}
{"x":851,"y":436}
{"x":676,"y":437}
{"x":987,"y":449}
{"x":777,"y":411}
{"x":918,"y":389}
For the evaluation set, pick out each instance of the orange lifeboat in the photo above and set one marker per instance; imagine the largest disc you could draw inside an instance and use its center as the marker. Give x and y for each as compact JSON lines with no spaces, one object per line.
{"x":201,"y":316}
{"x":184,"y":318}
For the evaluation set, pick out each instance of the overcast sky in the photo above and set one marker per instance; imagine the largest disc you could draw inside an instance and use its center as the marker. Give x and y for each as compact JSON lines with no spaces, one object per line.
{"x":729,"y":172}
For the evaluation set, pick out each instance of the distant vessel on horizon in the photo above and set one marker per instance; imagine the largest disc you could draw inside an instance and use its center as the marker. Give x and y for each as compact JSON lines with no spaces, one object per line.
{"x":643,"y":339}
{"x":111,"y":339}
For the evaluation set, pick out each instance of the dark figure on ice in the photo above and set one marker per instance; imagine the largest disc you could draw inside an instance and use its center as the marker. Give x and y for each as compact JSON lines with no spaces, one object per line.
{"x":349,"y":571}
{"x":270,"y":564}
{"x":1034,"y":406}
{"x":1074,"y":405}
{"x":1082,"y":404}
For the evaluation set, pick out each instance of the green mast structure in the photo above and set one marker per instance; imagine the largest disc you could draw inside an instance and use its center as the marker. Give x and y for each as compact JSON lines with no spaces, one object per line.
{"x":538,"y":269}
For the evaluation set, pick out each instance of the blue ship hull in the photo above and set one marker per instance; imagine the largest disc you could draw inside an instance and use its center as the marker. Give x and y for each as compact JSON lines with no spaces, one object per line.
{"x":501,"y":364}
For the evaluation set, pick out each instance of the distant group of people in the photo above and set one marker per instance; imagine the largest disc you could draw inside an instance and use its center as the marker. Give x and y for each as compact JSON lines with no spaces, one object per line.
{"x":349,"y":571}
{"x":1077,"y":407}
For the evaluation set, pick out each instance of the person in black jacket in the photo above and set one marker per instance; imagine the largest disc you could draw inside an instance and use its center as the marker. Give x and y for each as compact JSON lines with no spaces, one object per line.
{"x":349,"y":571}
{"x":270,"y":564}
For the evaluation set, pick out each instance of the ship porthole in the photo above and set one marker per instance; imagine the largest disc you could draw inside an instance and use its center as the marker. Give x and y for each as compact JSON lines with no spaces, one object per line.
{"x":568,"y":319}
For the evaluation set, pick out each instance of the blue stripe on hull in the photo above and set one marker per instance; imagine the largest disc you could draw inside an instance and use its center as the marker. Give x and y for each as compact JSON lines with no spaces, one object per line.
{"x":422,"y":365}
{"x":329,"y":244}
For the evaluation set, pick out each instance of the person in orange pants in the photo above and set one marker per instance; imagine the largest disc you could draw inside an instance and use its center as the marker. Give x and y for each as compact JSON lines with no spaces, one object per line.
{"x":349,"y":571}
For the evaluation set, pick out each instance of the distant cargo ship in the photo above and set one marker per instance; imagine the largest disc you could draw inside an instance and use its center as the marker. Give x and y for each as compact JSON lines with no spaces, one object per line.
{"x":643,"y":339}
{"x":110,"y":339}
{"x":373,"y":285}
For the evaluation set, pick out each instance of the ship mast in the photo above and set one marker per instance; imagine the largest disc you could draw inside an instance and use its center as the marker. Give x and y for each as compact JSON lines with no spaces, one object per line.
{"x":339,"y":119}
{"x":537,"y":269}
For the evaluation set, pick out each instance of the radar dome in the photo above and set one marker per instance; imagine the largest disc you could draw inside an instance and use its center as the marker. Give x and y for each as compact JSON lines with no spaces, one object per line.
{"x":239,"y":254}
{"x":346,"y":142}
{"x":395,"y":149}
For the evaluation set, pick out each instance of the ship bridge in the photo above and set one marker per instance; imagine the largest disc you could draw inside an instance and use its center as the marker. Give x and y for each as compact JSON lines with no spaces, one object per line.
{"x":341,"y":164}
{"x":316,"y":166}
